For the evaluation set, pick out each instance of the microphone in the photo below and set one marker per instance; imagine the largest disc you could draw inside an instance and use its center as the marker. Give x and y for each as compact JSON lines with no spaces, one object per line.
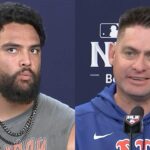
{"x":138,"y":110}
{"x":133,"y":123}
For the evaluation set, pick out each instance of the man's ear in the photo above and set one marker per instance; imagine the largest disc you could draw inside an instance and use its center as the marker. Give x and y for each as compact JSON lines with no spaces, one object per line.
{"x":111,"y":53}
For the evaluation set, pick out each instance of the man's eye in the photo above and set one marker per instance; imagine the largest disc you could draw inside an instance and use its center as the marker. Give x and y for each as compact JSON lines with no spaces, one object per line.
{"x":35,"y":51}
{"x":129,"y":54}
{"x":148,"y":56}
{"x":12,"y":50}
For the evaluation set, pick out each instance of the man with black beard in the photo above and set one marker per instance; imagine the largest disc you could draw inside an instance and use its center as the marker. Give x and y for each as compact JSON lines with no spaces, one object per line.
{"x":11,"y":90}
{"x":28,"y":119}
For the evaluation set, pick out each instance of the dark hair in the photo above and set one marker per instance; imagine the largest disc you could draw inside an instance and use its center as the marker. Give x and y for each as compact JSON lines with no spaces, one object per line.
{"x":20,"y":13}
{"x":135,"y":16}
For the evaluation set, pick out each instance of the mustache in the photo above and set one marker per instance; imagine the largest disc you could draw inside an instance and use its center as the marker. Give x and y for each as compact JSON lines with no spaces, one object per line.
{"x":23,"y":70}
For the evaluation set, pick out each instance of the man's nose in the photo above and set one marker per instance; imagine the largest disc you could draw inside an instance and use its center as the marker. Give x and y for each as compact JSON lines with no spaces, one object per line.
{"x":139,"y":64}
{"x":25,"y":59}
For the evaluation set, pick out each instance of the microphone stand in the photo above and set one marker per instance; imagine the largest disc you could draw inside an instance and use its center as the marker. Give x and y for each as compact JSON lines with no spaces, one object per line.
{"x":130,"y":139}
{"x":133,"y":123}
{"x":132,"y":129}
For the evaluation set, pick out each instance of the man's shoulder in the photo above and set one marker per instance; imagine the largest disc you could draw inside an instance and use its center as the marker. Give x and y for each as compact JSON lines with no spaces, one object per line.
{"x":97,"y":103}
{"x":51,"y":103}
{"x":84,"y":109}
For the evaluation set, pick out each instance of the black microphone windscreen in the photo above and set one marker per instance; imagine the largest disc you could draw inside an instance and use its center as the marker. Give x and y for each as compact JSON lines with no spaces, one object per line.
{"x":138,"y":110}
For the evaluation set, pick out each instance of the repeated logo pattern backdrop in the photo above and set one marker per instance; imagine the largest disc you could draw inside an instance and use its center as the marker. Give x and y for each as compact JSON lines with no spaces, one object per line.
{"x":58,"y":69}
{"x":75,"y":63}
{"x":96,"y":28}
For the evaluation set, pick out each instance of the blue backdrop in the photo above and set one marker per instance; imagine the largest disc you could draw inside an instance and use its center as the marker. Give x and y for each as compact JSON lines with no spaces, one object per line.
{"x":74,"y":60}
{"x":94,"y":19}
{"x":58,"y":65}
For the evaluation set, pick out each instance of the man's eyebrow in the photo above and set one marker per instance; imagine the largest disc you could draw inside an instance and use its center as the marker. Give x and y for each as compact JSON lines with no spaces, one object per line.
{"x":18,"y":45}
{"x":135,"y":49}
{"x":36,"y":45}
{"x":11,"y":44}
{"x":131,"y":48}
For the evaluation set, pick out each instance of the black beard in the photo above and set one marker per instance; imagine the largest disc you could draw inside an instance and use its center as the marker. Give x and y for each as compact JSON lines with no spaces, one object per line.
{"x":14,"y":93}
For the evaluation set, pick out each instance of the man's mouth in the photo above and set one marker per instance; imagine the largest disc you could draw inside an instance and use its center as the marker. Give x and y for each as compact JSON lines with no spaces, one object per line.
{"x":25,"y":75}
{"x":139,"y":78}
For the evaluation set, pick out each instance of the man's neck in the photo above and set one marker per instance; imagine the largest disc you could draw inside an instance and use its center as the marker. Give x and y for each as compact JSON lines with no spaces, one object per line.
{"x":127,"y":103}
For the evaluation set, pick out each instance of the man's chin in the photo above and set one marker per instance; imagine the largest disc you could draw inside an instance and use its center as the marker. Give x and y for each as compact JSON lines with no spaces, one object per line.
{"x":23,"y":84}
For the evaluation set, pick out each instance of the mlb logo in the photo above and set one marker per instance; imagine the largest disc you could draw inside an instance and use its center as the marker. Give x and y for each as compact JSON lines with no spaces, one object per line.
{"x":108,"y":30}
{"x":133,"y":119}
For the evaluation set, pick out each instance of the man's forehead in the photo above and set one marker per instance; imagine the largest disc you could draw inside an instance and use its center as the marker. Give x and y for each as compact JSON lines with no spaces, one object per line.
{"x":133,"y":28}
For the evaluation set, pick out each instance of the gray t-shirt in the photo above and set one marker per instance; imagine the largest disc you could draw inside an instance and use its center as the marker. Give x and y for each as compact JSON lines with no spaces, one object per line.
{"x":50,"y":130}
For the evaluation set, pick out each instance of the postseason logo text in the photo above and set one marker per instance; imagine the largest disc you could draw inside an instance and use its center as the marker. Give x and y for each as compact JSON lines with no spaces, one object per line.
{"x":107,"y":32}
